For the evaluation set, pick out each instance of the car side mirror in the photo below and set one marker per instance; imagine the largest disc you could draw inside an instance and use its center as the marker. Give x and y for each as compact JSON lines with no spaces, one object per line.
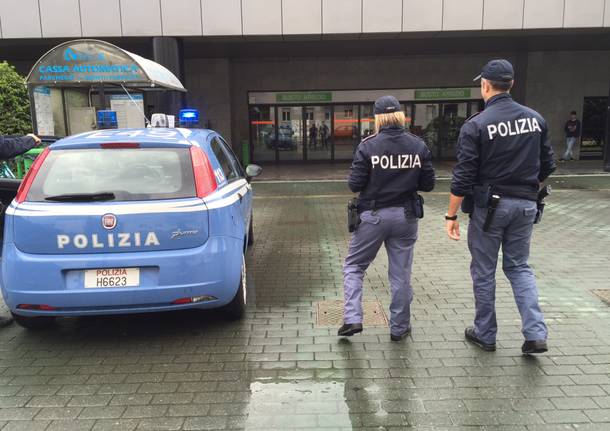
{"x":253,"y":171}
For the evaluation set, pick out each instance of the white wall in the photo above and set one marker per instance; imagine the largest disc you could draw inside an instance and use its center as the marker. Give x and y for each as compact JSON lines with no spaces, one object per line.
{"x":341,"y":16}
{"x":301,"y":17}
{"x":141,"y":17}
{"x":383,"y":17}
{"x":262,"y":17}
{"x":503,"y":15}
{"x":90,"y":18}
{"x":181,"y":18}
{"x":584,"y":13}
{"x":463,"y":15}
{"x":100,"y":18}
{"x":543,"y":14}
{"x":20,"y":19}
{"x":422,"y":15}
{"x":221,"y":17}
{"x":54,"y":14}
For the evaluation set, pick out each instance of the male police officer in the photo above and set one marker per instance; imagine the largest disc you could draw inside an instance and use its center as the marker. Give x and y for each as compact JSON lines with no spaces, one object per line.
{"x":11,"y":146}
{"x":389,"y":168}
{"x":503,"y":153}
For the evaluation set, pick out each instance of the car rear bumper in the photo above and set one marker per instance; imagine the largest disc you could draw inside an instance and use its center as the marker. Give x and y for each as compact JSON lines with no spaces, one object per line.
{"x":57,"y":281}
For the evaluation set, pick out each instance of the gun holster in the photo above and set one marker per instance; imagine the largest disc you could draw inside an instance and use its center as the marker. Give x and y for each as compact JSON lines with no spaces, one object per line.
{"x":353,"y":218}
{"x":481,"y":195}
{"x":468,"y":204}
{"x":417,"y":206}
{"x":542,"y":194}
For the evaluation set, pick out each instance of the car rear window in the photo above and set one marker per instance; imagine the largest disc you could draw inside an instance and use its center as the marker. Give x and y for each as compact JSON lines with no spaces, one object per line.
{"x":132,"y":174}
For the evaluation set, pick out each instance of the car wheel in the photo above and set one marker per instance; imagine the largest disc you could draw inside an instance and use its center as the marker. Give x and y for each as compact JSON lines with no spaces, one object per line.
{"x":36,"y":323}
{"x":236,"y":309}
{"x":251,"y":233}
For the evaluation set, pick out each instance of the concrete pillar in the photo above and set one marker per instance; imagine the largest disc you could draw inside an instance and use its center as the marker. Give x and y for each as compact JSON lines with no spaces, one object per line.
{"x":607,"y":140}
{"x":519,"y":91}
{"x":168,"y":52}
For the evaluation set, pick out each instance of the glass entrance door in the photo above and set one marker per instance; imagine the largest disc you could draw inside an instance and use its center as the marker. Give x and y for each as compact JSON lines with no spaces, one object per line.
{"x":453,"y":116}
{"x":262,"y":133}
{"x":439,"y":125}
{"x":318,"y":134}
{"x":346,"y":132}
{"x":289,"y":141}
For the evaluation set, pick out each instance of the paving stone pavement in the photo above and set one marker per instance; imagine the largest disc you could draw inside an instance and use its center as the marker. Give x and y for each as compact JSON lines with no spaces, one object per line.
{"x":277,"y":370}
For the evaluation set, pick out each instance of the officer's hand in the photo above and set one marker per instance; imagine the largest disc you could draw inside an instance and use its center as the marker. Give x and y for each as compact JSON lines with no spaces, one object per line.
{"x":453,"y":229}
{"x":35,"y":138}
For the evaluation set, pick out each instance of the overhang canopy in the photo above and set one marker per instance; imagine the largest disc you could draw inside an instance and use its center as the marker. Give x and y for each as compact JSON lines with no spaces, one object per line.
{"x":86,"y":62}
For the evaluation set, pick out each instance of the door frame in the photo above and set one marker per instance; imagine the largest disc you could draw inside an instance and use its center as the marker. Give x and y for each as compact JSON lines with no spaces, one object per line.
{"x":357,"y":106}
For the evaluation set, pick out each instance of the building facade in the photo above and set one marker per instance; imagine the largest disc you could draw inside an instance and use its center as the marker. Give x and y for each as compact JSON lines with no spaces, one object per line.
{"x":294,"y":80}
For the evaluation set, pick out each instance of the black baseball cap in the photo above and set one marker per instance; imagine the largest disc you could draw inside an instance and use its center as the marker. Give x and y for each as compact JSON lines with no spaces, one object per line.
{"x":386,"y":105}
{"x":497,"y":70}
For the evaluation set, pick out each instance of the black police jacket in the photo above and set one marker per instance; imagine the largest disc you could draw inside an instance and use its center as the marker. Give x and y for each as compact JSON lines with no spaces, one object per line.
{"x":11,"y":146}
{"x":389,"y":168}
{"x":508,"y":146}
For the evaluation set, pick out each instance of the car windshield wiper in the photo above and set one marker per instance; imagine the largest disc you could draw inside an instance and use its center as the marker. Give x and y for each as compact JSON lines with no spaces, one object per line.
{"x":82,"y":197}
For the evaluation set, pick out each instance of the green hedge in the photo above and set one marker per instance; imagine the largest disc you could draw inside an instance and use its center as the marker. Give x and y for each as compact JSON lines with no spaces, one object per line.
{"x":14,"y":102}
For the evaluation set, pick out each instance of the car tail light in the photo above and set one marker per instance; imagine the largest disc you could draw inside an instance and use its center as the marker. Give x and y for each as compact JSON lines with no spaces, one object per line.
{"x":41,"y":307}
{"x":113,"y":145}
{"x":194,"y":299}
{"x":205,"y":180}
{"x":182,"y":301}
{"x":24,"y":188}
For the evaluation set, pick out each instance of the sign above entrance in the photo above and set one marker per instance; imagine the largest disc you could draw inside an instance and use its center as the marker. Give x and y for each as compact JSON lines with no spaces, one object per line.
{"x":443,"y":94}
{"x":361,"y":96}
{"x":304,"y":97}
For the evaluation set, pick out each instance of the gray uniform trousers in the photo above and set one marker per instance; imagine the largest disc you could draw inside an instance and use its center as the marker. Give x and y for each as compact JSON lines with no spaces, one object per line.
{"x":389,"y":226}
{"x":511,"y":228}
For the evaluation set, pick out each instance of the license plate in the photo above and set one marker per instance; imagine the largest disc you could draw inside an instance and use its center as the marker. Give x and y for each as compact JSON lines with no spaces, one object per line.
{"x":112,"y":277}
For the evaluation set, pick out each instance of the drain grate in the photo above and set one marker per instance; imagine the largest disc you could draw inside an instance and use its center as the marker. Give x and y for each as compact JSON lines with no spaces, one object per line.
{"x":330,"y":313}
{"x":603,"y":294}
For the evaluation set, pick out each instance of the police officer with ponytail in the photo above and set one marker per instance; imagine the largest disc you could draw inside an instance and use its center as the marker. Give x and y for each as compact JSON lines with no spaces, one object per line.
{"x":503,"y":154}
{"x":388,"y":170}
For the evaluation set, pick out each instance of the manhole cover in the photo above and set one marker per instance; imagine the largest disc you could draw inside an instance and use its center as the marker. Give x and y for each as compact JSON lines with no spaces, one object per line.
{"x":330,"y":313}
{"x":604,"y":294}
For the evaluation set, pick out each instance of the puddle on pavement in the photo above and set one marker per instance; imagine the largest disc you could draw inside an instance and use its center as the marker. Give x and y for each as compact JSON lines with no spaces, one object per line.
{"x":287,"y":405}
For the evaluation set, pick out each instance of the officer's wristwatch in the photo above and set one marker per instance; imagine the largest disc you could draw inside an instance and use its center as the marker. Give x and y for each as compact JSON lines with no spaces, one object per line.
{"x":452,"y":218}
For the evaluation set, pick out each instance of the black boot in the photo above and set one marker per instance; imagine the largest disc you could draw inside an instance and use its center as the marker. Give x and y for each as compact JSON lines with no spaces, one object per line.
{"x":401,"y":336}
{"x":536,"y":346}
{"x":349,"y":329}
{"x":472,"y":337}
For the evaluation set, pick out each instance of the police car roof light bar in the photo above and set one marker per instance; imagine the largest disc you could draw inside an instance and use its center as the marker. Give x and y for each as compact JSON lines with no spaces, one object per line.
{"x":26,"y":184}
{"x":205,"y":180}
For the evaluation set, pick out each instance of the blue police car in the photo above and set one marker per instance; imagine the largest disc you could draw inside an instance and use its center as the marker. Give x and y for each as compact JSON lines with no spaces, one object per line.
{"x":129,"y":221}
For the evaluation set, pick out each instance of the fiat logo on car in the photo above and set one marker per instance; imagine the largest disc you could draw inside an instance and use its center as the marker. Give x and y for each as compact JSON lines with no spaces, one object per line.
{"x":109,"y":221}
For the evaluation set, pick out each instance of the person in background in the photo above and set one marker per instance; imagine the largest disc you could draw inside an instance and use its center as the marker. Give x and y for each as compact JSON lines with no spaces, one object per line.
{"x":323,"y":135}
{"x":572,"y":130}
{"x":12,"y":146}
{"x":313,"y":136}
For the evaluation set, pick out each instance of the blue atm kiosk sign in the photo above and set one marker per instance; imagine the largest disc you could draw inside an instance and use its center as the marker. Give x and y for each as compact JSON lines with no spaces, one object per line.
{"x":87,"y":62}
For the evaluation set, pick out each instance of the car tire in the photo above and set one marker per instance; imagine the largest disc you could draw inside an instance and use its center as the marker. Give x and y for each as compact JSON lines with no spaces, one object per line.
{"x":35,"y":323}
{"x":236,"y":309}
{"x":251,"y":233}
